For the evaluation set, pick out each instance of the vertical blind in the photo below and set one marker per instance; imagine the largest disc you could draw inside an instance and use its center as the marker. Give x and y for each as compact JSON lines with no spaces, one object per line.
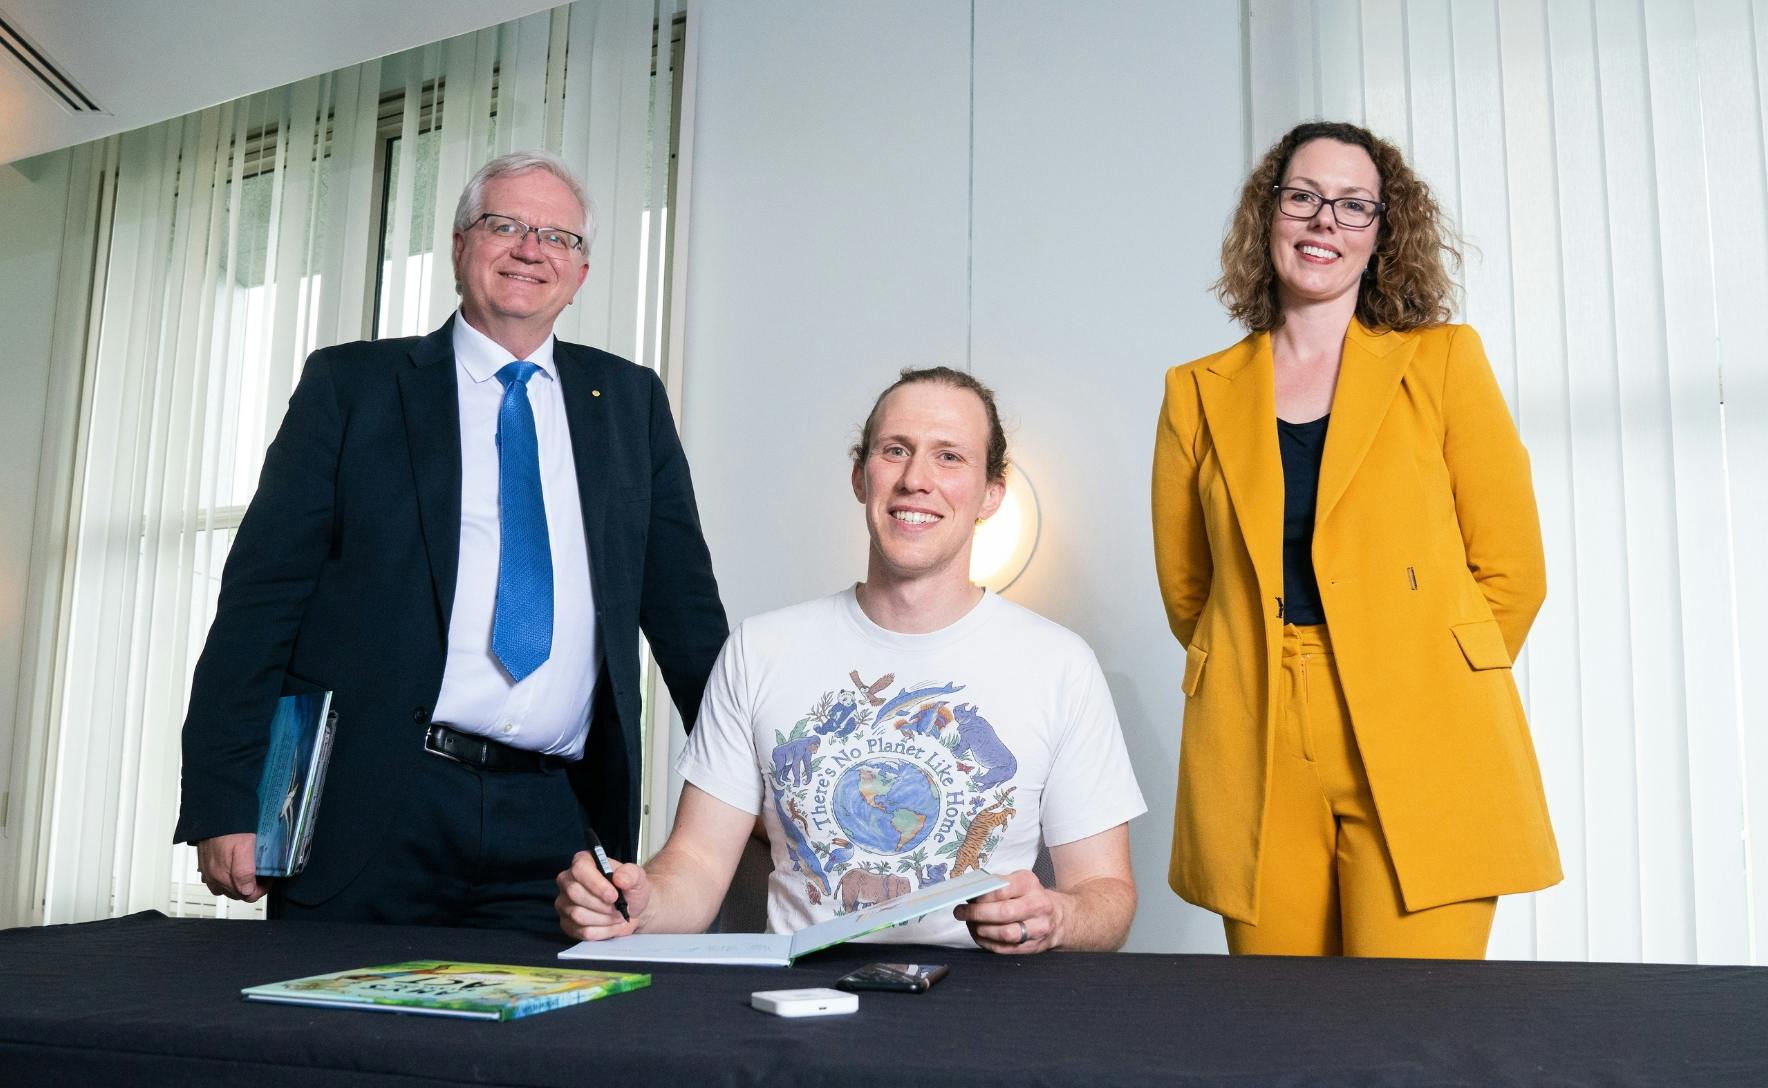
{"x":1605,"y":158}
{"x":229,"y":244}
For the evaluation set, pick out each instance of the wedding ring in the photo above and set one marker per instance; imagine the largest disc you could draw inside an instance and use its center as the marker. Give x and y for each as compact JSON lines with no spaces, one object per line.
{"x":1024,"y":934}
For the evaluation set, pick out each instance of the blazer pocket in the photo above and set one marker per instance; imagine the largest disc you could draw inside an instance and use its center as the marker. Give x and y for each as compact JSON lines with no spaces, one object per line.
{"x":629,"y":494}
{"x":296,"y":684}
{"x":1482,"y":643}
{"x":1195,"y":656}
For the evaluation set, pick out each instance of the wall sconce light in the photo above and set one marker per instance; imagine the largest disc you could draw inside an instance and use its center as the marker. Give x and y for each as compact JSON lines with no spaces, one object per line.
{"x":1005,"y":543}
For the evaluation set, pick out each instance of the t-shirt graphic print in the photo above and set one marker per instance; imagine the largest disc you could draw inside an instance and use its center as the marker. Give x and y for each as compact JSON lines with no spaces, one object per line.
{"x":880,"y":795}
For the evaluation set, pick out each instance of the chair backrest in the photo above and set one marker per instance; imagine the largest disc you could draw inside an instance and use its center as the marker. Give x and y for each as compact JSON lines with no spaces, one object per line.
{"x":745,"y":903}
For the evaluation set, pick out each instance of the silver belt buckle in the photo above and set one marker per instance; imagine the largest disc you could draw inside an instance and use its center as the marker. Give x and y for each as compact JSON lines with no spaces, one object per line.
{"x":433,"y":740}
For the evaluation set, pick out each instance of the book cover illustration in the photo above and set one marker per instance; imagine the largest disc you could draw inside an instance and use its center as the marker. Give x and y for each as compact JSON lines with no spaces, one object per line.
{"x":301,"y":733}
{"x":480,"y":991}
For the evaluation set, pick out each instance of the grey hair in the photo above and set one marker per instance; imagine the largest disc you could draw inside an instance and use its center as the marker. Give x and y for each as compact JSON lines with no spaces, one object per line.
{"x":472,"y":198}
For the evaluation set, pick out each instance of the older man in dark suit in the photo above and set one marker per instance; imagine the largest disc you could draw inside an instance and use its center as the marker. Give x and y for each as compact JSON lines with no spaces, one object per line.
{"x":461,"y":536}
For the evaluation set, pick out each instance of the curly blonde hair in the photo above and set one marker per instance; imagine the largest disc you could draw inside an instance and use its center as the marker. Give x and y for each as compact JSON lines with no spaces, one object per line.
{"x":1407,"y":285}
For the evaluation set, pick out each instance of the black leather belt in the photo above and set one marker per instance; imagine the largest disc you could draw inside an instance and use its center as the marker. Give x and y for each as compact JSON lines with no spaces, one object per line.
{"x":485,"y":753}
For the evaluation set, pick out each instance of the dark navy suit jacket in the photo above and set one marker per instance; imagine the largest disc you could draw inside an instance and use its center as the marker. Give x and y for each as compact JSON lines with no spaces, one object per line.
{"x":342,"y":577}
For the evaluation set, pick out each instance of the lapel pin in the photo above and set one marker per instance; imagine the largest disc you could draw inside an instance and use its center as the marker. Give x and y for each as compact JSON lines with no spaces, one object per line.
{"x":595,"y":392}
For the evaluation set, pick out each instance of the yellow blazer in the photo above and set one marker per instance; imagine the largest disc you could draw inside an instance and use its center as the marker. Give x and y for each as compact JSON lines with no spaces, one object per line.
{"x":1428,"y":552}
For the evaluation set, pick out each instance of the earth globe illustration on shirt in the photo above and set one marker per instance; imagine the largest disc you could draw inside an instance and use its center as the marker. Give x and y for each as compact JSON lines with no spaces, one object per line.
{"x":887,"y":806}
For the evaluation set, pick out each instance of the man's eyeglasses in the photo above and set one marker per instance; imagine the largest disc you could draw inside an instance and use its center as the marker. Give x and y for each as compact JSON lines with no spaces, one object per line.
{"x":1354,"y":212}
{"x":512,"y":231}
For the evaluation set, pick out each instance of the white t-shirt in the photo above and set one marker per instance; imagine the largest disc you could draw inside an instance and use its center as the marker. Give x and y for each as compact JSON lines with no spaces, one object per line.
{"x":884,"y":762}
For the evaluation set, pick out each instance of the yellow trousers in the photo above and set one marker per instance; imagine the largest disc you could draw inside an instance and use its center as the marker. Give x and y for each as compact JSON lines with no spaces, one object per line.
{"x":1326,"y":883}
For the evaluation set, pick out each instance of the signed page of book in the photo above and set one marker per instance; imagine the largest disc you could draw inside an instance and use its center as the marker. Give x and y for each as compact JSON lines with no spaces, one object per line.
{"x":734,"y":949}
{"x":780,"y":949}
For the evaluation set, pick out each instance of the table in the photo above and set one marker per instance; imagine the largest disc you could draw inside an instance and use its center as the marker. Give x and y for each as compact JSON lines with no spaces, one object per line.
{"x":152,"y":1000}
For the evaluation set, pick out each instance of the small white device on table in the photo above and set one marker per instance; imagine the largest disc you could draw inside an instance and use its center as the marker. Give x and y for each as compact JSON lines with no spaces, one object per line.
{"x":817,"y":1002}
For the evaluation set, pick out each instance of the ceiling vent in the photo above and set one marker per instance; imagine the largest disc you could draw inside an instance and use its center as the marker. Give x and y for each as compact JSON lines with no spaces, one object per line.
{"x":44,"y":71}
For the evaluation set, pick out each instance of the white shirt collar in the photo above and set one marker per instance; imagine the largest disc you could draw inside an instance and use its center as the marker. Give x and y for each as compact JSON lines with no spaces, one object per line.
{"x":483,"y":357}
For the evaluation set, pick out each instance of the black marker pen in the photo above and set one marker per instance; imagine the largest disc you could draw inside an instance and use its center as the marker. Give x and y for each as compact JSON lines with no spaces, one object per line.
{"x":606,"y":868}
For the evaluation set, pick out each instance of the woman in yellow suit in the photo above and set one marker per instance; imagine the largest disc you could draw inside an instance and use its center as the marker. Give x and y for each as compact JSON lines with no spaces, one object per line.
{"x":1349,"y":552}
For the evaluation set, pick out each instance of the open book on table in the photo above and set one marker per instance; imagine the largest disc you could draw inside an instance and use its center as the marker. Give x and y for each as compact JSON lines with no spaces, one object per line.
{"x":780,"y":949}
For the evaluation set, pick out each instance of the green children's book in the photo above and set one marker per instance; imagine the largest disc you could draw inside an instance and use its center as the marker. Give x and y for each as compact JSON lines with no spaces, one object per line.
{"x":478,"y":991}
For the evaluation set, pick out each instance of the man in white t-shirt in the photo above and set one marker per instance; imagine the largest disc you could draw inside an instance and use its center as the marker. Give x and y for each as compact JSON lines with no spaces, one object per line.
{"x":901,"y":732}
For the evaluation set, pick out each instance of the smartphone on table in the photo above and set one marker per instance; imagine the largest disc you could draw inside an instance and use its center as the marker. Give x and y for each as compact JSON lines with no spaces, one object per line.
{"x":910,"y":978}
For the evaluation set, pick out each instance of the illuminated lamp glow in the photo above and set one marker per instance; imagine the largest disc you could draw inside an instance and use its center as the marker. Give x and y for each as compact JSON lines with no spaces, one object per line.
{"x":1004,"y":544}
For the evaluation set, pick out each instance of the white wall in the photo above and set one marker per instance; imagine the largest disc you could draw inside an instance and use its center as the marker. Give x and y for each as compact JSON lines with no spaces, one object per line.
{"x":834,"y":240}
{"x":827,"y":250}
{"x":33,"y":209}
{"x":1102,"y":130}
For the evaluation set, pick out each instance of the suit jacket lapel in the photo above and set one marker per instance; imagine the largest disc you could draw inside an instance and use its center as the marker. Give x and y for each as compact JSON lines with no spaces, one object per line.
{"x":1240,"y":402}
{"x":1368,"y":377}
{"x":432,"y":433}
{"x":590,"y":451}
{"x":583,"y":379}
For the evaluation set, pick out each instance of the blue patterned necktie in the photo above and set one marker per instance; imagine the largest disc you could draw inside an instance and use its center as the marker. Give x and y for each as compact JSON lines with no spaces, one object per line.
{"x":521,"y":630}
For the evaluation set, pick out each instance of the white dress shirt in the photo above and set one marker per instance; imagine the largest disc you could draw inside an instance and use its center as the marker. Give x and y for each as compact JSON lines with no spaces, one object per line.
{"x":548,"y":711}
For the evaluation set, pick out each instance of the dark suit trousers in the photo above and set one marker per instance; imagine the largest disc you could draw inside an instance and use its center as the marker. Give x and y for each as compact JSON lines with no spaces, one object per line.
{"x":465,"y":848}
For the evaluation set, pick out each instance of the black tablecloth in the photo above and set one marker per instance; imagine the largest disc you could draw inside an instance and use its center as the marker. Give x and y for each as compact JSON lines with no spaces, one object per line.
{"x":152,"y":1000}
